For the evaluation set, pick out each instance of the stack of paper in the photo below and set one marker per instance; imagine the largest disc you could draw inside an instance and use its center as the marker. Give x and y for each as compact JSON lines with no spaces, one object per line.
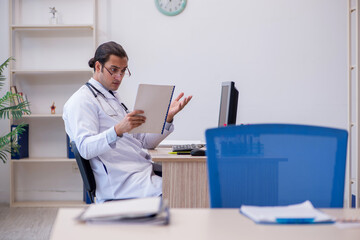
{"x":293,"y":214}
{"x":141,"y":210}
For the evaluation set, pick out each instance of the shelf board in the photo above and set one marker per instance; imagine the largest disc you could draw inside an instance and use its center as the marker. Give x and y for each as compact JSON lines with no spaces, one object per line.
{"x":52,"y":27}
{"x":42,"y":71}
{"x":48,"y":204}
{"x":43,"y":115}
{"x":43,"y":160}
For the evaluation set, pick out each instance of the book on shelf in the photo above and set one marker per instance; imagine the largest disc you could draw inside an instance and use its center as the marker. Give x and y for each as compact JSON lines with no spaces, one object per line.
{"x":23,"y":98}
{"x":23,"y":141}
{"x":20,"y":98}
{"x":28,"y":105}
{"x":70,"y":152}
{"x":14,"y":91}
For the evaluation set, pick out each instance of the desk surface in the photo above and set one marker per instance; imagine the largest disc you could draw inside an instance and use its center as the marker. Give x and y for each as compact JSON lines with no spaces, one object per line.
{"x":202,"y":224}
{"x":162,"y":155}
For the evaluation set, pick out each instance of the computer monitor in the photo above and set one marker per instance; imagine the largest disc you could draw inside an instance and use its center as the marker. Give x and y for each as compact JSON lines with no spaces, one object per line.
{"x":228,"y":104}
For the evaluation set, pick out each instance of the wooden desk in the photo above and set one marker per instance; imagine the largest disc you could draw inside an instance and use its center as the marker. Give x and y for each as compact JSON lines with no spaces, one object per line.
{"x":185,"y":183}
{"x":207,"y":224}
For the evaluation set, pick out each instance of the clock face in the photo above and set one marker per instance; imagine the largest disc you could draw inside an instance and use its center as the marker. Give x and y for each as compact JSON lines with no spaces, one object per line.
{"x":170,"y":7}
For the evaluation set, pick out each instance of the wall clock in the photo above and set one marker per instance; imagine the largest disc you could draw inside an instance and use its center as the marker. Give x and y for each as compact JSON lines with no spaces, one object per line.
{"x":170,"y":7}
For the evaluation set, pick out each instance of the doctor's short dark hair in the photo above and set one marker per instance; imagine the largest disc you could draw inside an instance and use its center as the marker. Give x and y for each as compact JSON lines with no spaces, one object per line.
{"x":103,"y":52}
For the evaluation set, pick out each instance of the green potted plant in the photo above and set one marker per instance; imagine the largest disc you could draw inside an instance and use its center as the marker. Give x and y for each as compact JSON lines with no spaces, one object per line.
{"x":8,"y":109}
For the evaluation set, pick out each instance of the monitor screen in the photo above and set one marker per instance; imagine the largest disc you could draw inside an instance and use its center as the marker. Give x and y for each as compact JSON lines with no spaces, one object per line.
{"x":228,"y":104}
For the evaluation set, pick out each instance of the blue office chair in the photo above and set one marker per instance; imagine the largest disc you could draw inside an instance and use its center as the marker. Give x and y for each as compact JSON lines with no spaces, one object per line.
{"x":86,"y":172}
{"x":276,"y":165}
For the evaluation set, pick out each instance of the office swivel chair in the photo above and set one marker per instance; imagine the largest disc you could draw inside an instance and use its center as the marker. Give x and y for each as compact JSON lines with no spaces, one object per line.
{"x":276,"y":165}
{"x":86,"y":172}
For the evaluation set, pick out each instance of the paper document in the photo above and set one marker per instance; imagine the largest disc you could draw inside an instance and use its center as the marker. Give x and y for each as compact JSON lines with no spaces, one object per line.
{"x":155,"y":101}
{"x":140,"y":210}
{"x":293,"y":214}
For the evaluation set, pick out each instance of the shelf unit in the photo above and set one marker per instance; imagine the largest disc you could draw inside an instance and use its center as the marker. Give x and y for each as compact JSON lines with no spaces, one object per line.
{"x":51,"y":64}
{"x":63,"y":26}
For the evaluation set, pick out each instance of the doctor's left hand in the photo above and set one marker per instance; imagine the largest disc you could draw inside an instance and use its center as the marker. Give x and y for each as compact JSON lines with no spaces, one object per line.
{"x":176,"y":106}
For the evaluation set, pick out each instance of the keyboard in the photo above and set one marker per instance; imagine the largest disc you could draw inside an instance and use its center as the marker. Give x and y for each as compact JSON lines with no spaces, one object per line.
{"x":186,"y":147}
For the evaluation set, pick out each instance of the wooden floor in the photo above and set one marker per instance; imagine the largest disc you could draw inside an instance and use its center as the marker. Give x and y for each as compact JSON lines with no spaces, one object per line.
{"x":26,"y":223}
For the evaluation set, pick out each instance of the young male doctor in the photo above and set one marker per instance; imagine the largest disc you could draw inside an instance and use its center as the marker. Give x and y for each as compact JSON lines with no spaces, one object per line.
{"x":98,"y":122}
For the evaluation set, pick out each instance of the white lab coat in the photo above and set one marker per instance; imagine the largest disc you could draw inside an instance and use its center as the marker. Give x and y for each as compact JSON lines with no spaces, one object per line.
{"x":121,"y":167}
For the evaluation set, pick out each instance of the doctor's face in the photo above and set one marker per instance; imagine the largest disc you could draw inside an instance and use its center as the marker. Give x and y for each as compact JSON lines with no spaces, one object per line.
{"x":112,"y":72}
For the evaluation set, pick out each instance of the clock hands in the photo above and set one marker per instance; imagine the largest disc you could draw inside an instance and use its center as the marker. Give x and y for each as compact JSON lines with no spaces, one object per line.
{"x":168,"y":2}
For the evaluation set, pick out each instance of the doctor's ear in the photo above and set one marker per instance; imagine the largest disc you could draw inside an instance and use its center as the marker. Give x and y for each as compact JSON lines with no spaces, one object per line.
{"x":98,"y":66}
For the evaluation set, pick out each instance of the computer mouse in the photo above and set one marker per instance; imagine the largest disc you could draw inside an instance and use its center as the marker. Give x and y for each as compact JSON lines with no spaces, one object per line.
{"x":197,"y":152}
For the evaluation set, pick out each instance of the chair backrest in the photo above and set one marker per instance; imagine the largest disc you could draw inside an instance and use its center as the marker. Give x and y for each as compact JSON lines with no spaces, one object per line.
{"x":276,"y":165}
{"x":86,"y":172}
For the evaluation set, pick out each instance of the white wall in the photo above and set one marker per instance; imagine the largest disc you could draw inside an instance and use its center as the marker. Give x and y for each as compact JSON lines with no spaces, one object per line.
{"x":288,"y":59}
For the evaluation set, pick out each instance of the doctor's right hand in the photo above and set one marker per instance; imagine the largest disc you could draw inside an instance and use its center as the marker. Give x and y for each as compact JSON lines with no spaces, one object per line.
{"x":130,"y":121}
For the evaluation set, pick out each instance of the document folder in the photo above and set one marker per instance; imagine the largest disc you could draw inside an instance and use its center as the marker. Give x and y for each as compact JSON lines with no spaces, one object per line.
{"x":152,"y":210}
{"x":155,"y":101}
{"x":303,"y":213}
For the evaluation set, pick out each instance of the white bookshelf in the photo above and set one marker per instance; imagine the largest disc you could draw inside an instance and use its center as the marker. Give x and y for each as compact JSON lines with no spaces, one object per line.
{"x":41,"y":160}
{"x":34,"y":115}
{"x":48,"y":204}
{"x":51,"y":64}
{"x":42,"y":71}
{"x":50,"y":27}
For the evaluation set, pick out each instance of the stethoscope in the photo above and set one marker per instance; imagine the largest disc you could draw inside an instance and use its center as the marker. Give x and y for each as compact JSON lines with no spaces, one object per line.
{"x":92,"y":88}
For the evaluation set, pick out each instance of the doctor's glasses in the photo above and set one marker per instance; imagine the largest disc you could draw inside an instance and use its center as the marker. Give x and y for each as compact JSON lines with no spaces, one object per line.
{"x":115,"y":71}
